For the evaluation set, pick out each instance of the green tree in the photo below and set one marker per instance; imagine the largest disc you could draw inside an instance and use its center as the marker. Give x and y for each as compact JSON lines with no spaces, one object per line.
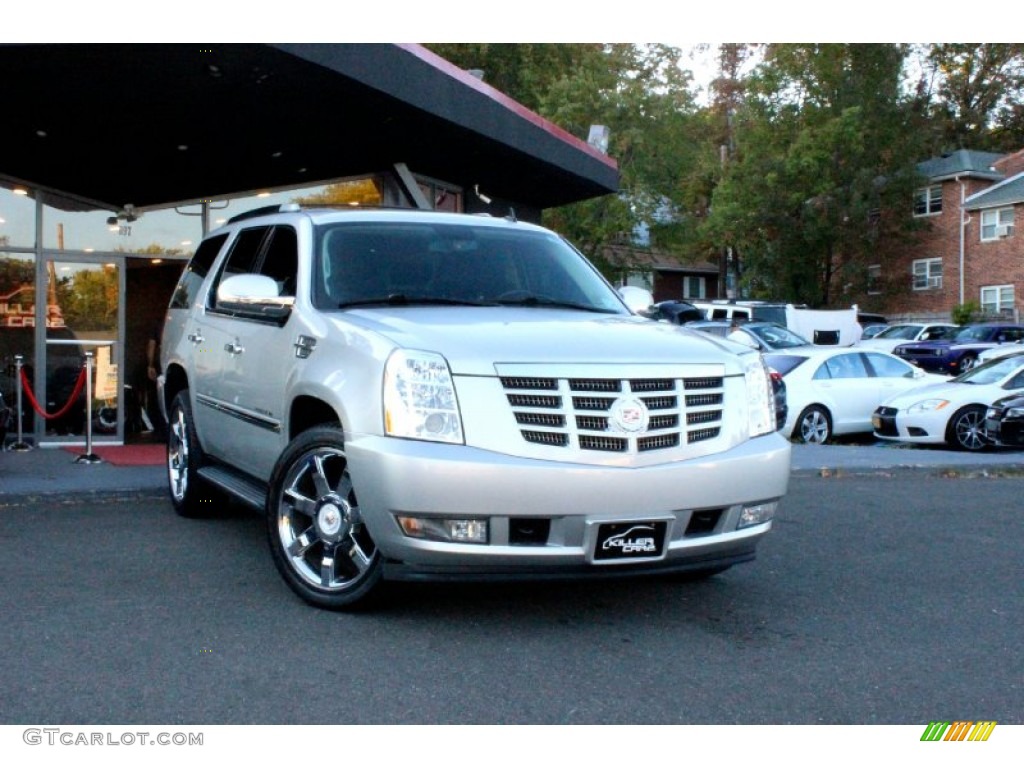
{"x":822,"y":173}
{"x":972,"y":94}
{"x":640,"y":92}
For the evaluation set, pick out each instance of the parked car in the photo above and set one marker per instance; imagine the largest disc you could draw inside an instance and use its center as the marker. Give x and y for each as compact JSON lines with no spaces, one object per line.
{"x":959,"y":353}
{"x":678,"y":312}
{"x":952,"y":412}
{"x":768,"y":337}
{"x":1004,"y":421}
{"x":870,"y":331}
{"x":1000,"y":351}
{"x":894,"y":335}
{"x":412,"y":395}
{"x":832,"y":391}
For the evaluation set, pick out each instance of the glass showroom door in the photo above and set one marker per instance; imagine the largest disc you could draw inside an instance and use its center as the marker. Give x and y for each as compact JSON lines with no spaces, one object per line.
{"x":83,"y":314}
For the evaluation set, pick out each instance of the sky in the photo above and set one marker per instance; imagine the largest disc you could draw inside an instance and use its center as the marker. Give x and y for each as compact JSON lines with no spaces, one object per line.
{"x":466,"y":21}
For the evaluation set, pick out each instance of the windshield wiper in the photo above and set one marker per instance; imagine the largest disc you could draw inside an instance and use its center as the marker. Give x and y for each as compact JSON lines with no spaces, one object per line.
{"x":402,"y":300}
{"x":543,"y":301}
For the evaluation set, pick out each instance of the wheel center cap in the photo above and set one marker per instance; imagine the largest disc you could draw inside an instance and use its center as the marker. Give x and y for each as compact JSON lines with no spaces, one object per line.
{"x":330,"y":519}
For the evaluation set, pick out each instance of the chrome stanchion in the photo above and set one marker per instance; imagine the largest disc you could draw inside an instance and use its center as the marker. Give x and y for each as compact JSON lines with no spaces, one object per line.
{"x":20,"y":445}
{"x":88,"y":457}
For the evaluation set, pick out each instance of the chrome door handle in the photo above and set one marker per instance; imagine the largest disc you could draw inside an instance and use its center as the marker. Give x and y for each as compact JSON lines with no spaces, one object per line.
{"x":196,"y":338}
{"x":234,"y":349}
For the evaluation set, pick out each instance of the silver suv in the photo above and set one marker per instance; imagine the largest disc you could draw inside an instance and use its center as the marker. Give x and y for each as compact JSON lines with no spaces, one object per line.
{"x":419,"y":395}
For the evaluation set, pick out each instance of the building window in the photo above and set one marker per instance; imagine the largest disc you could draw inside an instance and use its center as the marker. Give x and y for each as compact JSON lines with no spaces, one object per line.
{"x":875,"y":279}
{"x":928,"y":200}
{"x":694,"y":287}
{"x":927,"y":274}
{"x":997,"y":299}
{"x":996,"y":223}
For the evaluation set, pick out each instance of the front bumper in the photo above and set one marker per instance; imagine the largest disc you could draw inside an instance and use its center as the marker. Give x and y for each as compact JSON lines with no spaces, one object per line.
{"x":925,"y":428}
{"x":700,"y":500}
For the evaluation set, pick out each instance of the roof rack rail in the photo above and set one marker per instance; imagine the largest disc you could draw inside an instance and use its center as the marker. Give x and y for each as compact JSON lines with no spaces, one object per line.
{"x":264,"y":211}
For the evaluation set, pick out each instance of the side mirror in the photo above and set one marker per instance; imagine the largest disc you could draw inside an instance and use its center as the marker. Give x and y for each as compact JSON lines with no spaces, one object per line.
{"x":253,"y":294}
{"x":638,"y":300}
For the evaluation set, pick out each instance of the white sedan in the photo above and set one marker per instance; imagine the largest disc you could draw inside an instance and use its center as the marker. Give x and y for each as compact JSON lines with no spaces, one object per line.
{"x":898,"y":333}
{"x":953,"y":412}
{"x":834,"y":390}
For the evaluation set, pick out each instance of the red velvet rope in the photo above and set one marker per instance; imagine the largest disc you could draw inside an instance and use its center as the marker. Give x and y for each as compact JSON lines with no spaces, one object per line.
{"x":27,"y":387}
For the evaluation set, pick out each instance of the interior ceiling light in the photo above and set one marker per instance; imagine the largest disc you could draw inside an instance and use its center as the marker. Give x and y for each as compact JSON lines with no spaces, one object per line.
{"x":183,"y":147}
{"x":41,"y":133}
{"x":20,"y":191}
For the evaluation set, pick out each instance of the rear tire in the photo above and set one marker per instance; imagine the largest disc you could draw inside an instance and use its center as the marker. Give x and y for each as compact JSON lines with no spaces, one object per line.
{"x":814,"y":425}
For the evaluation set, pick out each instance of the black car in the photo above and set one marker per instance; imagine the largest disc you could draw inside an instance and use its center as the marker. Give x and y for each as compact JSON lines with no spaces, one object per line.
{"x":1004,"y":421}
{"x":678,"y":312}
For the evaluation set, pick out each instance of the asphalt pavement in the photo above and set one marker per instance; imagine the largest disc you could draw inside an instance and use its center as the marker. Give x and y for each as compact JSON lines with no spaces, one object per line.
{"x":54,"y":471}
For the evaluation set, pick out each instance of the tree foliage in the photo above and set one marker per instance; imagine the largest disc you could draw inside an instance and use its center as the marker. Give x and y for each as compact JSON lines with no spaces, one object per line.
{"x":802,"y":164}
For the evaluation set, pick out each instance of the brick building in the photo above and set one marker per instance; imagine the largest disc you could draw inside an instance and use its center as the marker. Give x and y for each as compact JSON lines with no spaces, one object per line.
{"x":968,"y":251}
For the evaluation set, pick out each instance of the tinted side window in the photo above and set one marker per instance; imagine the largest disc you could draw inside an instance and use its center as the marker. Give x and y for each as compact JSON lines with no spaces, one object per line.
{"x":281,"y":260}
{"x":887,"y":367}
{"x":242,"y":259}
{"x":192,"y":278}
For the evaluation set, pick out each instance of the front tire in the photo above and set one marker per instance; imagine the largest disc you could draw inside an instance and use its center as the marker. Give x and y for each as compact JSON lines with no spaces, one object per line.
{"x":317,"y":537}
{"x":814,"y":425}
{"x":968,"y":362}
{"x":184,"y":458}
{"x":966,"y":430}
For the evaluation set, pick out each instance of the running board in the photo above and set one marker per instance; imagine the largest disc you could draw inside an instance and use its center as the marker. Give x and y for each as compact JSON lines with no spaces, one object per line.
{"x":241,"y":486}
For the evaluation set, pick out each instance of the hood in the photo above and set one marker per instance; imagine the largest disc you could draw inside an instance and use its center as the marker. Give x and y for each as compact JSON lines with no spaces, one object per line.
{"x":474,"y":339}
{"x":946,"y":390}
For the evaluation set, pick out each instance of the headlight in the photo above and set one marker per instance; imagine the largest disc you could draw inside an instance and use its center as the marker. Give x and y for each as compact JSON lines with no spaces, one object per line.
{"x":419,"y":398}
{"x":1013,"y":413}
{"x":928,"y":405}
{"x":760,"y":399}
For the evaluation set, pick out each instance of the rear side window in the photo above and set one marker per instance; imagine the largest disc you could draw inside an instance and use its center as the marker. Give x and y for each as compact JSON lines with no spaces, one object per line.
{"x":198,"y":268}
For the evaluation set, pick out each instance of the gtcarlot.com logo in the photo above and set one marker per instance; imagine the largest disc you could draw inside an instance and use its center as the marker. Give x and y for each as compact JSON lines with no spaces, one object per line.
{"x":959,"y":730}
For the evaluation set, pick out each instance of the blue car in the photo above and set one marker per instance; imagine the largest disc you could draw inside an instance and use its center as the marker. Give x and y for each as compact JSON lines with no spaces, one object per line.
{"x":960,"y":353}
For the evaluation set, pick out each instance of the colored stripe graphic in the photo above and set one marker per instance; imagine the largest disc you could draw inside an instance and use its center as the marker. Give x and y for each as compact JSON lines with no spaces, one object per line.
{"x":959,"y":730}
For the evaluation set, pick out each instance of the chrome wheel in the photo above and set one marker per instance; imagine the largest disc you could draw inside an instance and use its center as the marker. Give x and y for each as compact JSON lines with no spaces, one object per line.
{"x":177,"y":456}
{"x":317,"y":535}
{"x":814,"y":425}
{"x":968,"y":362}
{"x":967,"y":429}
{"x":184,"y":458}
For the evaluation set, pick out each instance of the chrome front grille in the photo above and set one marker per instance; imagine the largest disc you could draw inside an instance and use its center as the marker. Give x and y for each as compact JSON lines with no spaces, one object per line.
{"x":594,"y":414}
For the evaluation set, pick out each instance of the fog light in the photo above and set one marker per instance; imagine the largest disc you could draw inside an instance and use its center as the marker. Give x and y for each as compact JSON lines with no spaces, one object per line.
{"x":757,"y":514}
{"x":465,"y":531}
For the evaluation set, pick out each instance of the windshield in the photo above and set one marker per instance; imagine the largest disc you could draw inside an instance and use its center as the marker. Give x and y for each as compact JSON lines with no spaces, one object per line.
{"x":777,"y":336}
{"x":406,"y":263}
{"x":993,"y":371}
{"x":899,"y":332}
{"x":974,"y":333}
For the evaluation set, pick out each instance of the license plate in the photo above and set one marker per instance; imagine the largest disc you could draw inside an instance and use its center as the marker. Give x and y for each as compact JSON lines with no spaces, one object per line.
{"x":630,"y":541}
{"x":992,"y":426}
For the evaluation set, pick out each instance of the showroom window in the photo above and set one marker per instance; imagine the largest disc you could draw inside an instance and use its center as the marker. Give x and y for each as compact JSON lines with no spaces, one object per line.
{"x":997,"y":299}
{"x":927,"y":274}
{"x":996,"y":223}
{"x":928,"y":200}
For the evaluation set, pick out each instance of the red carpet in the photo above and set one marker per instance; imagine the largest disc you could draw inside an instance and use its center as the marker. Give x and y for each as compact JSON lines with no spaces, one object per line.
{"x":141,"y":455}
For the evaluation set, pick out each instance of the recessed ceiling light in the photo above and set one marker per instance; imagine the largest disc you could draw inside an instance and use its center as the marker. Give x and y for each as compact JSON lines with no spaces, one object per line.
{"x":41,"y":133}
{"x":182,"y":147}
